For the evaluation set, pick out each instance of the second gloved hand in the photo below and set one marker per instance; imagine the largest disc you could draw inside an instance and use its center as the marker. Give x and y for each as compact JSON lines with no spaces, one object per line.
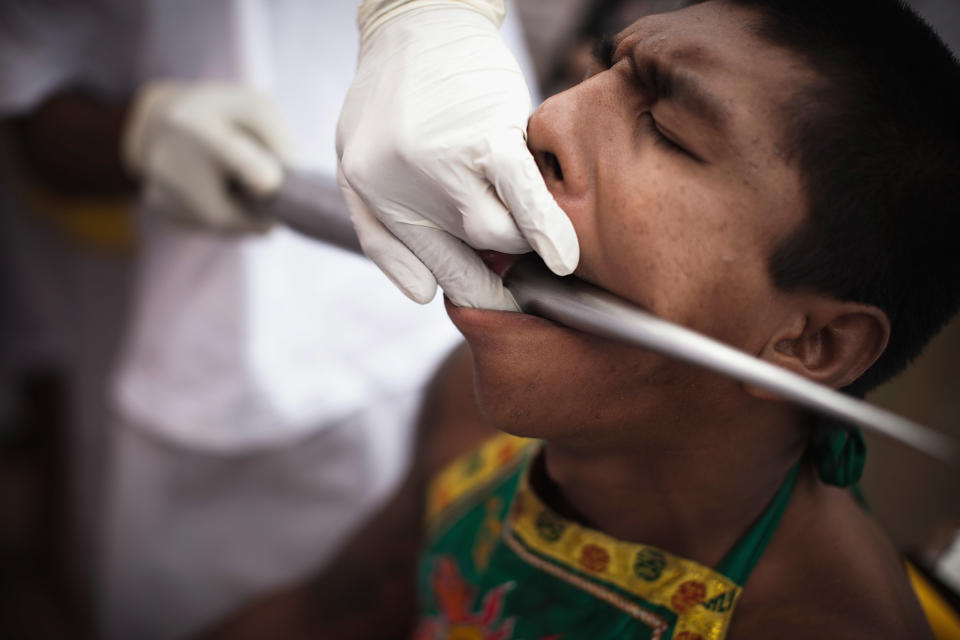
{"x":433,"y":155}
{"x":190,"y":142}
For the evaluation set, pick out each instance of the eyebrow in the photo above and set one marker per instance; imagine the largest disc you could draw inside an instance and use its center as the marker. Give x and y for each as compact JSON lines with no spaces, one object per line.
{"x":682,"y":89}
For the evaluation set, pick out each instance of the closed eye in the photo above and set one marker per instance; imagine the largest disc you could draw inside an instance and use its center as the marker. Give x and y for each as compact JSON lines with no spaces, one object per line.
{"x":661,"y":139}
{"x":602,"y":56}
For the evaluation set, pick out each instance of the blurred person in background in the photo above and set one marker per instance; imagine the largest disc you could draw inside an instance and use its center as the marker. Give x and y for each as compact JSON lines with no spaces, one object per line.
{"x":256,"y":389}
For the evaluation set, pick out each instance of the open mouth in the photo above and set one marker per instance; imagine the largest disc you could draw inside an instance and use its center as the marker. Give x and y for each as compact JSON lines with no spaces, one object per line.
{"x":497,"y":262}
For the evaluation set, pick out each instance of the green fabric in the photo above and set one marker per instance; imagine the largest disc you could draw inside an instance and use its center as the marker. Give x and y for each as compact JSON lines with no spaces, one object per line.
{"x":501,"y":595}
{"x":508,"y":598}
{"x":839,"y":455}
{"x":740,"y":561}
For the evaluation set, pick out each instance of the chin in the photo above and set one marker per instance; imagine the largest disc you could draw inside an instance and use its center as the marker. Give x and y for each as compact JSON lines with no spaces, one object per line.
{"x":519,"y":396}
{"x":534,"y":378}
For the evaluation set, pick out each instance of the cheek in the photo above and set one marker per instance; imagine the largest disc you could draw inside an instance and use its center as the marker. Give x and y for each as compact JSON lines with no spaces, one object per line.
{"x":685,"y":255}
{"x":642,"y":243}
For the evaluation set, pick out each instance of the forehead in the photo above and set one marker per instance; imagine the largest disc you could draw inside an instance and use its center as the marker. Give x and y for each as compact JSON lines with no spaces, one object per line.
{"x":705,"y":32}
{"x":716,"y":44}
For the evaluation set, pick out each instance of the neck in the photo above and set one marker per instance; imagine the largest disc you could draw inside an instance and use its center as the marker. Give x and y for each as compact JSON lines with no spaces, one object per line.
{"x":668,"y":496}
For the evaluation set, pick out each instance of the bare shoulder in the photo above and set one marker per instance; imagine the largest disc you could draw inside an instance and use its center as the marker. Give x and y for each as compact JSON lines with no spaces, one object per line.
{"x":830,"y":571}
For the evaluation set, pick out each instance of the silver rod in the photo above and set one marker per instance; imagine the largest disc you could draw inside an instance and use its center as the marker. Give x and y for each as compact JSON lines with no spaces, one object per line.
{"x":582,"y":306}
{"x":311,"y":204}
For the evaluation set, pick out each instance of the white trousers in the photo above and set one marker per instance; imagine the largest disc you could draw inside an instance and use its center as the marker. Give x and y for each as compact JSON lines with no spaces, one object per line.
{"x":189,"y":536}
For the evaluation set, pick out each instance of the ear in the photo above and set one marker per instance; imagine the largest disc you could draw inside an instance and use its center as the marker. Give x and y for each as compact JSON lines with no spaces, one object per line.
{"x":830,"y":342}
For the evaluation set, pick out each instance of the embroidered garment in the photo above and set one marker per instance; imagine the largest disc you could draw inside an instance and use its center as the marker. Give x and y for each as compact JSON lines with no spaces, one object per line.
{"x":501,"y":565}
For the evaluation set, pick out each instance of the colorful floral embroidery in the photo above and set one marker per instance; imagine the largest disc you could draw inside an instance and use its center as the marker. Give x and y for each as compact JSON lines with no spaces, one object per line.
{"x":594,"y":558}
{"x":702,"y":599}
{"x":454,"y":598}
{"x":489,"y":534}
{"x":441,"y":498}
{"x":721,"y":603}
{"x":688,"y":594}
{"x":473,"y":464}
{"x":549,"y":526}
{"x":507,"y":451}
{"x":466,"y":505}
{"x":472,"y":473}
{"x":649,"y":564}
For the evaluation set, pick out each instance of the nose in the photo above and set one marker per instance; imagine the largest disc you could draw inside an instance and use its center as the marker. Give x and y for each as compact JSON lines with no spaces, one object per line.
{"x":581,"y":140}
{"x":571,"y":136}
{"x":552,"y":138}
{"x":572,"y":131}
{"x":560,"y":143}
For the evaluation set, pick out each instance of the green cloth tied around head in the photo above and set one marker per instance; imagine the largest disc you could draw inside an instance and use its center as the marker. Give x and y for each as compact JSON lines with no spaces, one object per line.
{"x":839,"y":454}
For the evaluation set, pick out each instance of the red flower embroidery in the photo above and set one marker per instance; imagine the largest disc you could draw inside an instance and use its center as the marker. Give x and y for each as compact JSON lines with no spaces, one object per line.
{"x":594,"y":558}
{"x":442,"y":498}
{"x":505,"y":454}
{"x":518,"y":505}
{"x":688,"y":594}
{"x":453,"y":594}
{"x":454,"y":597}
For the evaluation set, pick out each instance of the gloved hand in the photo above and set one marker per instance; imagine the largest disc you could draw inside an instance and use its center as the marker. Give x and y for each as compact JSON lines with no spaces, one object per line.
{"x":190,"y":141}
{"x":432,"y":148}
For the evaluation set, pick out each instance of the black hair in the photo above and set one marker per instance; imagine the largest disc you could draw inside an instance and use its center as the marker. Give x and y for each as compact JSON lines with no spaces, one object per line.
{"x":876,"y":137}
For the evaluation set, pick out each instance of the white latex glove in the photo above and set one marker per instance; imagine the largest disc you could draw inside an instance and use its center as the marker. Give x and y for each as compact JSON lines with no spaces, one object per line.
{"x":189,"y":141}
{"x":432,"y":148}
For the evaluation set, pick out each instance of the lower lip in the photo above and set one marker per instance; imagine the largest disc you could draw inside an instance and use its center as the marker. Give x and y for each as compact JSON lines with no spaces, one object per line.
{"x":466,"y":317}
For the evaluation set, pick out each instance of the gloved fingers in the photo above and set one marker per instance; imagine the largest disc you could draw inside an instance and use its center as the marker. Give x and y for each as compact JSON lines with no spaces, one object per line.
{"x":265,"y":122}
{"x":399,"y":264}
{"x":243,"y":158}
{"x":141,"y":121}
{"x":161,"y":199}
{"x":514,"y":173}
{"x":174,"y":207}
{"x":459,"y":271}
{"x":487,"y":224}
{"x":196,"y":191}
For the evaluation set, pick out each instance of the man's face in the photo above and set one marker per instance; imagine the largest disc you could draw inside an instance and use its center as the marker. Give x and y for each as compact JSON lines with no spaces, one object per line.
{"x":667,"y":162}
